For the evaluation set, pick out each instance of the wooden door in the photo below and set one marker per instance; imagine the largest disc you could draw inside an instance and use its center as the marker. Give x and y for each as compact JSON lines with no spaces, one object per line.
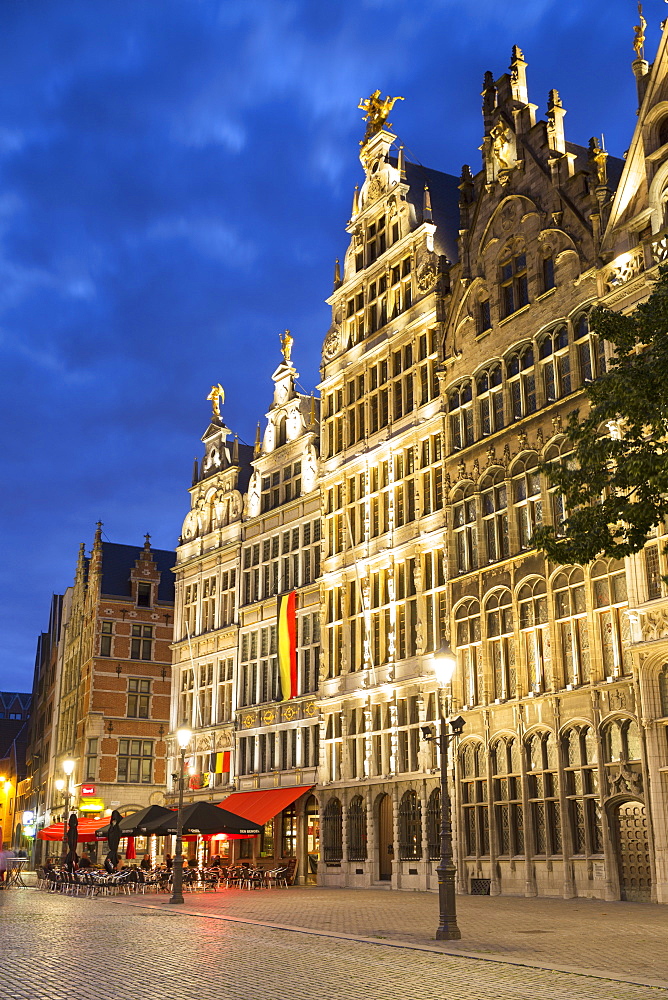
{"x":385,"y":839}
{"x":635,"y":874}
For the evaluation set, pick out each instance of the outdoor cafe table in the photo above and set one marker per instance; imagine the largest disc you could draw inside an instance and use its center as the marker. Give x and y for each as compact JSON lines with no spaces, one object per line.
{"x":15,"y":867}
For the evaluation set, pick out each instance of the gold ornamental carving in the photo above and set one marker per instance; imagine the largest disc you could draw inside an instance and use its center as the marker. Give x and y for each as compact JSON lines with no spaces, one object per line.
{"x":248,"y":721}
{"x":268,"y":717}
{"x":290,"y":713}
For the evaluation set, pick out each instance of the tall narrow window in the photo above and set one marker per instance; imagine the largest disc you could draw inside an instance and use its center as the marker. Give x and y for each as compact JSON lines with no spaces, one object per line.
{"x":107,"y":629}
{"x":581,"y":774}
{"x":501,"y":645}
{"x":532,"y":600}
{"x":473,"y":783}
{"x":495,"y":515}
{"x":460,"y":405}
{"x":465,"y":529}
{"x":507,"y":788}
{"x":571,"y":614}
{"x":467,"y":619}
{"x":410,"y":827}
{"x":610,"y":602}
{"x":139,"y":697}
{"x":527,"y":498}
{"x":543,"y":788}
{"x":514,"y":284}
{"x":489,"y":396}
{"x":521,"y":383}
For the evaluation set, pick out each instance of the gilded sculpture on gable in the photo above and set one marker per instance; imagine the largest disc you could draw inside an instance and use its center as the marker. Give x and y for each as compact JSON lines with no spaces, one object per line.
{"x":286,"y":345}
{"x":216,"y":396}
{"x":377,"y":109}
{"x":639,"y":36}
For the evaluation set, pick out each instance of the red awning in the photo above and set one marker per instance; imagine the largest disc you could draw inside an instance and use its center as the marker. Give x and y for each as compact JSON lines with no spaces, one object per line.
{"x":259,"y":807}
{"x":87,"y":828}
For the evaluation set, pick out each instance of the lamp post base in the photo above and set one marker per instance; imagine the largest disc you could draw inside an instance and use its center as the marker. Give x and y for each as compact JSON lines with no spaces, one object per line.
{"x":449,"y":933}
{"x":177,"y":881}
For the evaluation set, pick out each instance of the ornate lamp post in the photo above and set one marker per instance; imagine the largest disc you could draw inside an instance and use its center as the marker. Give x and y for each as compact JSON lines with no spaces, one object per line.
{"x":183,"y":738}
{"x":68,"y":767}
{"x":445,"y":662}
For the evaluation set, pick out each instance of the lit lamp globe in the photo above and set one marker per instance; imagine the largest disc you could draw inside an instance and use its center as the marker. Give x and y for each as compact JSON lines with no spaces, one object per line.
{"x":68,"y":767}
{"x":183,"y":737}
{"x":60,"y":784}
{"x":445,"y":662}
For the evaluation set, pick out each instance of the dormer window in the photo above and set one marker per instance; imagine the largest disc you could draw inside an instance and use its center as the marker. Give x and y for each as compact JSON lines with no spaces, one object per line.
{"x":144,"y":595}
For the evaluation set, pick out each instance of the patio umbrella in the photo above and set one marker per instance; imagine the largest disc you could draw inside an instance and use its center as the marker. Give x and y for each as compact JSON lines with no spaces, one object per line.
{"x":130,"y":824}
{"x":86,"y":829}
{"x":204,"y":817}
{"x":113,"y":840}
{"x":72,"y":838}
{"x":130,"y":853}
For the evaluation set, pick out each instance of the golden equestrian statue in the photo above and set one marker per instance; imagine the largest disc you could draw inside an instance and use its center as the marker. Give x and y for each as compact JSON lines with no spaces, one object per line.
{"x":217,"y":396}
{"x":377,"y":109}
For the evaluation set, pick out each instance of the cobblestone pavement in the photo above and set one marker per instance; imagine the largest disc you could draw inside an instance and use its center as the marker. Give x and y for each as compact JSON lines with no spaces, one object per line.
{"x":624,"y":940}
{"x":63,"y":948}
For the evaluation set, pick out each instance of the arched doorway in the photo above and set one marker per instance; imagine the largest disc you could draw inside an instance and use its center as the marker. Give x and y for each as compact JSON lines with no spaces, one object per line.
{"x":312,"y":840}
{"x":385,"y":838}
{"x":635,"y":873}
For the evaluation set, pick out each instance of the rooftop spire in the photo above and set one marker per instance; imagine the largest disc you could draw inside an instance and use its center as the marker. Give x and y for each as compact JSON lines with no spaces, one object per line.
{"x":426,"y":205}
{"x":258,"y":441}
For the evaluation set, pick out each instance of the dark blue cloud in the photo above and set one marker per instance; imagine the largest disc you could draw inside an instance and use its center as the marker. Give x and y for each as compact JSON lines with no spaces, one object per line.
{"x":175,"y":180}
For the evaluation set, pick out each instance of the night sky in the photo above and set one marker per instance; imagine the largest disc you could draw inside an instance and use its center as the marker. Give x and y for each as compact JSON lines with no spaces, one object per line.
{"x":175,"y":179}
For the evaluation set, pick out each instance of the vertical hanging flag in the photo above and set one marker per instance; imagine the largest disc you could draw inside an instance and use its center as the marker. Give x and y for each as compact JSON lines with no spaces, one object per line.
{"x":287,"y":644}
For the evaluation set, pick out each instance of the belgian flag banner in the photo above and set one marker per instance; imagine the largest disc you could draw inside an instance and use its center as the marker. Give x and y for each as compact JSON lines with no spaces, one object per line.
{"x":287,"y":644}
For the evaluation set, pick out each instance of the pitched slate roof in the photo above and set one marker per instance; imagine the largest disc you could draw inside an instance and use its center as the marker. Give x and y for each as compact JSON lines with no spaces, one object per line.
{"x":119,"y":560}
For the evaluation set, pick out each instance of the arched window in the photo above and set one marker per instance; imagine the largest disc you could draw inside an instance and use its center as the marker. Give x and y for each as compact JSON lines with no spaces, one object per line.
{"x":507,"y":791}
{"x":555,"y":365}
{"x":468,"y":642}
{"x":610,"y":602}
{"x":460,"y":405}
{"x":357,"y":840}
{"x":281,"y":430}
{"x":473,"y":780}
{"x":532,"y":599}
{"x":543,"y":787}
{"x":410,"y":827}
{"x":522,"y":383}
{"x":332,"y":832}
{"x":489,"y":395}
{"x":527,"y":497}
{"x":289,"y":841}
{"x":662,"y":132}
{"x":581,"y":775}
{"x":590,"y":350}
{"x":571,"y":614}
{"x":621,"y":741}
{"x":465,"y":529}
{"x":434,"y":825}
{"x":499,"y":620}
{"x":495,"y":515}
{"x":558,"y":454}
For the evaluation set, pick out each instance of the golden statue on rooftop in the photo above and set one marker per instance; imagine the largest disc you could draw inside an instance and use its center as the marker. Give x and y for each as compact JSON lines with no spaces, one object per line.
{"x":377,"y":109}
{"x":216,"y":396}
{"x":639,"y":38}
{"x":286,"y":345}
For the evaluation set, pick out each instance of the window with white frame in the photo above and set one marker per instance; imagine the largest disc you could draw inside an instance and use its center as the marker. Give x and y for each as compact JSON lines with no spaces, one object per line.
{"x":432,"y":474}
{"x":404,"y":487}
{"x":334,"y":630}
{"x":433,"y":588}
{"x":224,"y":694}
{"x":309,"y":648}
{"x":209,"y":592}
{"x":405,"y":609}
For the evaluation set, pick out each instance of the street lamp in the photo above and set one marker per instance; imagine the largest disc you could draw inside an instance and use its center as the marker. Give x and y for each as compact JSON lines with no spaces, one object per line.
{"x":68,"y":767}
{"x":183,"y":738}
{"x":445,"y":662}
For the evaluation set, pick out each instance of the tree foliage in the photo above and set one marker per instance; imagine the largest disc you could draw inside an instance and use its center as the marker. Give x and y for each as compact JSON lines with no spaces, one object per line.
{"x":616,"y":486}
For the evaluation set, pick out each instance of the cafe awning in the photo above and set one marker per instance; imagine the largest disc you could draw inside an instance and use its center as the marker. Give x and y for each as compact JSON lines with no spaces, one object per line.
{"x":86,"y":831}
{"x":261,"y":806}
